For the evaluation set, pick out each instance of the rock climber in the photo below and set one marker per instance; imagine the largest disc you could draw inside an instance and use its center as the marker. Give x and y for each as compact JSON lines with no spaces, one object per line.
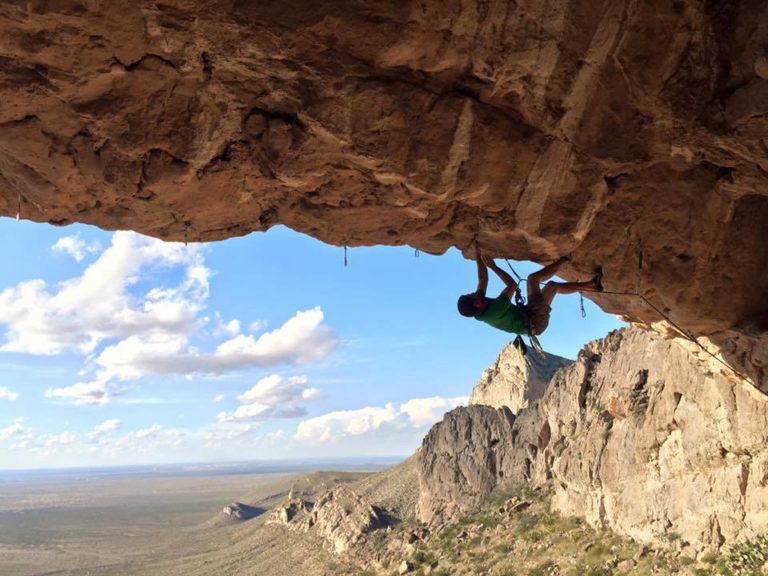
{"x":531,"y":318}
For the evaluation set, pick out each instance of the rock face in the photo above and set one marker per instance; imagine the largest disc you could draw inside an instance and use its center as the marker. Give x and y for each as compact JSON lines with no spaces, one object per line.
{"x":339,"y":516}
{"x":515,"y":380}
{"x":462,"y":460}
{"x":235,"y":513}
{"x":641,"y":434}
{"x":632,"y":136}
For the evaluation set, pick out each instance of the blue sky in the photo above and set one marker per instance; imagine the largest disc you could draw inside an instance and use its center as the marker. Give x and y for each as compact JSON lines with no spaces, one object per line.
{"x":120,"y":349}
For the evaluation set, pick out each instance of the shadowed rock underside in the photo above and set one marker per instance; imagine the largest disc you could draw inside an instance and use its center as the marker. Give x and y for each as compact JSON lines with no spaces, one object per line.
{"x":629,"y":134}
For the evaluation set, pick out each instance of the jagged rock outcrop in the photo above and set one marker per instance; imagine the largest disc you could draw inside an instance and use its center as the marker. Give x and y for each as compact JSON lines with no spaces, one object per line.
{"x":515,"y":380}
{"x":629,"y":135}
{"x":293,"y":510}
{"x":642,"y":434}
{"x":235,"y":513}
{"x":339,"y":516}
{"x":462,"y":460}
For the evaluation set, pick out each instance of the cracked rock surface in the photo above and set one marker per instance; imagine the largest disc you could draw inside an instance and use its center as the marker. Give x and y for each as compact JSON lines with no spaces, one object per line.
{"x":515,"y":380}
{"x":639,"y":434}
{"x":629,"y":134}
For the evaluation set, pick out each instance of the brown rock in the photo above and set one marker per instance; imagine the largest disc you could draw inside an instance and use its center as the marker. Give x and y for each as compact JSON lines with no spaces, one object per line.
{"x":540,"y":128}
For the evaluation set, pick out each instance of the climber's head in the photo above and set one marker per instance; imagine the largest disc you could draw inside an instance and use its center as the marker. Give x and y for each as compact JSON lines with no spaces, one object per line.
{"x":472,"y":305}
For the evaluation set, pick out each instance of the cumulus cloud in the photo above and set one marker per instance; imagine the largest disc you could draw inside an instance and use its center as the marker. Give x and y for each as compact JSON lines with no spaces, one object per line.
{"x":426,"y":411}
{"x":75,"y":247}
{"x":105,"y":427}
{"x":301,"y":339}
{"x":14,"y":429}
{"x":6,"y":394}
{"x":150,"y":432}
{"x":417,"y":413}
{"x":81,"y":394}
{"x":218,"y":398}
{"x":221,"y":328}
{"x":273,"y":397}
{"x":26,"y":438}
{"x":128,"y":335}
{"x":346,"y":422}
{"x":80,"y":313}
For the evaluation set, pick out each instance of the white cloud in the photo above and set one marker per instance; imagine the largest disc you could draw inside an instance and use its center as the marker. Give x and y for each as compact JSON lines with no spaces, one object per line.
{"x":301,"y":339}
{"x":426,"y":411}
{"x":127,"y":335}
{"x":14,"y":429}
{"x":105,"y":427}
{"x":149,"y":432}
{"x":6,"y":394}
{"x":218,"y":398}
{"x":257,"y":326}
{"x":273,"y":397}
{"x":28,"y":439}
{"x":62,"y":439}
{"x":417,"y":413}
{"x":81,"y":394}
{"x":75,"y":247}
{"x":79,"y":313}
{"x":221,"y":328}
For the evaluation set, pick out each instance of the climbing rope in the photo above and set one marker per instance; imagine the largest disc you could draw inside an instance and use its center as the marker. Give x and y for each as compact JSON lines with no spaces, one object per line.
{"x":345,"y":255}
{"x":685,"y":333}
{"x":186,"y":232}
{"x":536,"y":345}
{"x":416,"y":253}
{"x":519,"y":300}
{"x":18,"y":207}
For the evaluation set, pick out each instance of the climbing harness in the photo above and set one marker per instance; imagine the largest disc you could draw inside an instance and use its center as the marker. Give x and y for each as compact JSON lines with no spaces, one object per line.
{"x":685,"y":333}
{"x":520,"y":301}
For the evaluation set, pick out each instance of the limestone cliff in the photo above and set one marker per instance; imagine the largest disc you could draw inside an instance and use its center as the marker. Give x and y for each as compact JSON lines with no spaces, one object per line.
{"x":631,"y":135}
{"x":339,"y":516}
{"x":641,"y":434}
{"x":515,"y":380}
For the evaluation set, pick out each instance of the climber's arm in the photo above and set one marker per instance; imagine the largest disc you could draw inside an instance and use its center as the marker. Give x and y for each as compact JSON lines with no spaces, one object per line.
{"x":482,"y":271}
{"x":509,"y":282}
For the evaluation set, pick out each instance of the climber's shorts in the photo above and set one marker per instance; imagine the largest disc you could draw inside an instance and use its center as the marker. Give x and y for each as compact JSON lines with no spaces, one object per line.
{"x":537,"y":311}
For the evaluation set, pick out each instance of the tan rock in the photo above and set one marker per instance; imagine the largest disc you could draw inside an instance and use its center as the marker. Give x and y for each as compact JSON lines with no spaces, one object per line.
{"x":339,"y":516}
{"x":687,"y":459}
{"x":515,"y":380}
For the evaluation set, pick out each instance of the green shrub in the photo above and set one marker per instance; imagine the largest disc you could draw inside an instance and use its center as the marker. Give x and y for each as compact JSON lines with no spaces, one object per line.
{"x":747,"y":558}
